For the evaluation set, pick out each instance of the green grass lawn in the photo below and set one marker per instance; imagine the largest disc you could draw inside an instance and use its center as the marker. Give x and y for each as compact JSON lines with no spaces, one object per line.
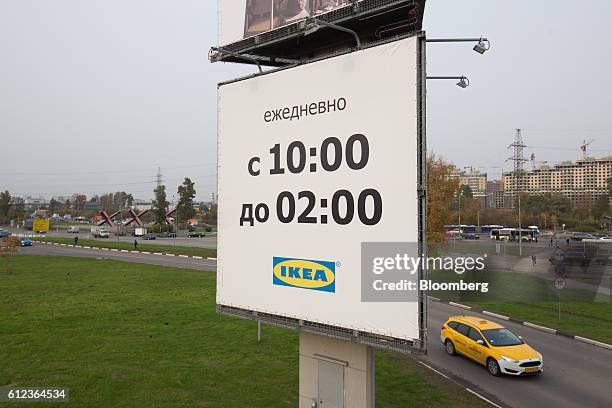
{"x":534,"y":299}
{"x":171,"y":249}
{"x":587,"y":319}
{"x":128,"y":335}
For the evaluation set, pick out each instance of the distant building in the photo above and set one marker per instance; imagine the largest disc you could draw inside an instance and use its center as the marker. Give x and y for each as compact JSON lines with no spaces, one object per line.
{"x":34,"y":203}
{"x":477,"y":182}
{"x":142,"y":204}
{"x":92,"y":206}
{"x":582,"y":181}
{"x":495,"y":194}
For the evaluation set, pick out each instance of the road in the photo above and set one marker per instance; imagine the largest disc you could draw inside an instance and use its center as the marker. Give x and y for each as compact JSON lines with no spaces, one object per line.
{"x":151,"y":259}
{"x":576,"y":374}
{"x":206,"y":242}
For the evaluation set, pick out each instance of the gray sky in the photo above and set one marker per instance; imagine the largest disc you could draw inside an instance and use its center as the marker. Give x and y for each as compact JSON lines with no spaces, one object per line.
{"x":95,"y":95}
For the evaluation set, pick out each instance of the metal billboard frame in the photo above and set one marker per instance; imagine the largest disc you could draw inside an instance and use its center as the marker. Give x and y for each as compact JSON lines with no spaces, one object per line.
{"x":266,"y":48}
{"x":418,"y":346}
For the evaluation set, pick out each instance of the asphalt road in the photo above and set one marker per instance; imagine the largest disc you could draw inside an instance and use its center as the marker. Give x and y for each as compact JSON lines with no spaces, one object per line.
{"x":206,"y":242}
{"x":575,"y":374}
{"x":151,"y":259}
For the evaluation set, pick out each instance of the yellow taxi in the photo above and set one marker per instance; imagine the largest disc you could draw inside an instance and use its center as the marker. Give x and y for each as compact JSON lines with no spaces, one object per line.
{"x":490,"y":344}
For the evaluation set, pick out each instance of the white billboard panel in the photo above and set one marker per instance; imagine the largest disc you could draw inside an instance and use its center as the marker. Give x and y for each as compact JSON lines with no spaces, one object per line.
{"x":239,"y":19}
{"x":313,"y":161}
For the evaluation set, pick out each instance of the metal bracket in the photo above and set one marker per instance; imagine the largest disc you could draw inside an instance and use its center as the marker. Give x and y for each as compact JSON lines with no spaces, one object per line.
{"x":312,"y":25}
{"x":216,"y":54}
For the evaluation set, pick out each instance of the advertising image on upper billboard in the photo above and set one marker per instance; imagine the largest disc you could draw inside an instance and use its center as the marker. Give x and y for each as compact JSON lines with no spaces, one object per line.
{"x":245,"y":18}
{"x":288,"y":29}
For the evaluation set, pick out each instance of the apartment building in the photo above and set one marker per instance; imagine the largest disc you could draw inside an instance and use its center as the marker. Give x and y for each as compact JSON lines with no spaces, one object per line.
{"x":582,"y":181}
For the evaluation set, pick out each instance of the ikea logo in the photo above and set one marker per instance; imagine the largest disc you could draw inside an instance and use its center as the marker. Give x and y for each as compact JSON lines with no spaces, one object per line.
{"x":304,"y":274}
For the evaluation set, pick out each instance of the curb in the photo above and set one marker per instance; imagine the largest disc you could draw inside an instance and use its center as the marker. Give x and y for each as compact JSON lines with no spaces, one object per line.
{"x":528,"y":324}
{"x":127,"y":251}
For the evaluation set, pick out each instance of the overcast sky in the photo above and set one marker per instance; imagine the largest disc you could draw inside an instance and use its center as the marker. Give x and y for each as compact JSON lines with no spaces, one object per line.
{"x":96,"y":95}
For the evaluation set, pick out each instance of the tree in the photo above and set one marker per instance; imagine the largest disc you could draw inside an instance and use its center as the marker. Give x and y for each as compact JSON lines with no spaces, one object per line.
{"x":466,"y":192}
{"x":210,"y":214}
{"x":601,"y":207}
{"x":441,"y":190}
{"x":5,"y":206}
{"x":17,"y":210}
{"x":187,"y":193}
{"x":160,"y":205}
{"x":54,"y":206}
{"x":79,"y":202}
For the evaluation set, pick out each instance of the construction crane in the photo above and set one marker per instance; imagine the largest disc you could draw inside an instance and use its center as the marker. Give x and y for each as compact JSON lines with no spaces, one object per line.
{"x":584,"y":147}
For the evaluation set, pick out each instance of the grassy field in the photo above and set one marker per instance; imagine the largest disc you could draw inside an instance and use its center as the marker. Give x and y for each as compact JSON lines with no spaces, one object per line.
{"x":142,"y":246}
{"x":128,"y":335}
{"x":588,"y":319}
{"x":489,"y":247}
{"x":534,"y":299}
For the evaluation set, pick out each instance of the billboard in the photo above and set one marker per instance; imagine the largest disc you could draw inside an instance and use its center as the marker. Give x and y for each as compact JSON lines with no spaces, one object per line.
{"x":40,"y":225}
{"x":239,"y":19}
{"x":313,"y":162}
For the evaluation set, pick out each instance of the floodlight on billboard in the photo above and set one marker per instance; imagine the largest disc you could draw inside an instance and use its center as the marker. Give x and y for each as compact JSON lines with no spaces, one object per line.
{"x":317,"y":165}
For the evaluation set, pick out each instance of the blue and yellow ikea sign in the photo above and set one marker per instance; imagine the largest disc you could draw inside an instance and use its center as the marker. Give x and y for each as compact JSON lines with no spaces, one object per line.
{"x":304,"y":274}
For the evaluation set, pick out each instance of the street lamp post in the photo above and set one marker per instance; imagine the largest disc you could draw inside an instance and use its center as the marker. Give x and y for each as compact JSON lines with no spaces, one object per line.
{"x":459,"y":212}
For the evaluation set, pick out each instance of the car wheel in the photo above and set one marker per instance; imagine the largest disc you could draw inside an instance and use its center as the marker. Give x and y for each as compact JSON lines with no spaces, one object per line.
{"x":450,"y":348}
{"x":493,"y":367}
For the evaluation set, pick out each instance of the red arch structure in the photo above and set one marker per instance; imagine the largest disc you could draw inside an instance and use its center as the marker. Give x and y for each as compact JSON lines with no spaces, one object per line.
{"x":108,"y":219}
{"x":135,"y":218}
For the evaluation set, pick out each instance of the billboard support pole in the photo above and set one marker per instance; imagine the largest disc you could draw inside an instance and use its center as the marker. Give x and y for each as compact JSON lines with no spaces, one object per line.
{"x":422,"y":178}
{"x":335,"y":372}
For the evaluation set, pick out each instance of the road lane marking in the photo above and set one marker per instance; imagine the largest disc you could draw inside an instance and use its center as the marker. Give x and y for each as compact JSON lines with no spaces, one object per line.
{"x":197,"y":257}
{"x":158,"y":253}
{"x":483,"y":398}
{"x":495,"y":315}
{"x":212,"y":259}
{"x":457,"y":305}
{"x":124,"y":250}
{"x":433,"y":369}
{"x":170,"y":255}
{"x":538,"y":327}
{"x":148,"y":253}
{"x":114,"y":250}
{"x":183,"y":256}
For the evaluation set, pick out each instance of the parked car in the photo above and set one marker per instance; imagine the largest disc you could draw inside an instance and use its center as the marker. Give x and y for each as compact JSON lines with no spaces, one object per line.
{"x":74,"y":230}
{"x":470,"y":236}
{"x":4,"y":234}
{"x":26,"y":243}
{"x":149,"y":237}
{"x":195,"y":235}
